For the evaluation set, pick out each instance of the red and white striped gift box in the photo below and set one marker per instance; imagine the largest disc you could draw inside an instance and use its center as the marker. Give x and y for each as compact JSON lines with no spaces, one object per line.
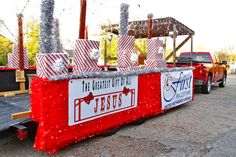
{"x":160,"y":56}
{"x":15,"y":59}
{"x":51,"y":64}
{"x":162,"y":64}
{"x":125,"y":59}
{"x":125,"y":49}
{"x":123,"y":69}
{"x":125,"y":42}
{"x":82,"y":60}
{"x":135,"y":67}
{"x":159,"y":45}
{"x":9,"y":60}
{"x":126,"y":64}
{"x":154,"y":59}
{"x":151,"y":49}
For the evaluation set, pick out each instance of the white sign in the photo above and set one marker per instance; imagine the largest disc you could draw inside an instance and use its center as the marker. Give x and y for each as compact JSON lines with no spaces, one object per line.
{"x":97,"y":97}
{"x":176,"y":88}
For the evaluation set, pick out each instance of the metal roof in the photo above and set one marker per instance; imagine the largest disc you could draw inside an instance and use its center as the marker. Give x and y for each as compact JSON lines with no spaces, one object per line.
{"x":161,"y":28}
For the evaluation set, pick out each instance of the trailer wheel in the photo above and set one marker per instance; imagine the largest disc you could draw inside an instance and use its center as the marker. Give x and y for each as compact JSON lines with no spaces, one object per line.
{"x":223,"y":82}
{"x":207,"y":87}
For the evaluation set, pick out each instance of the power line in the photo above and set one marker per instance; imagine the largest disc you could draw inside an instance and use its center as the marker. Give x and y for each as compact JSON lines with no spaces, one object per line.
{"x":3,"y":23}
{"x":25,"y":6}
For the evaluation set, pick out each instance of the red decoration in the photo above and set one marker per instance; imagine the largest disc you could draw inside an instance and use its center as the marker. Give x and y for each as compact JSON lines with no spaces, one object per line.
{"x":20,"y":42}
{"x":22,"y":134}
{"x":88,"y":98}
{"x":6,"y":68}
{"x":49,"y":102}
{"x":83,"y":5}
{"x":149,"y":28}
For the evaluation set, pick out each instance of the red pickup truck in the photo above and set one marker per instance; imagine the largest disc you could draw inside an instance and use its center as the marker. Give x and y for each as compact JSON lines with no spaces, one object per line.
{"x":208,"y":69}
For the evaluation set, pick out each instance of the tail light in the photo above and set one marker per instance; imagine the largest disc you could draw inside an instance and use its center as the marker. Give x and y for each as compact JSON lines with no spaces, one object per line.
{"x":202,"y":70}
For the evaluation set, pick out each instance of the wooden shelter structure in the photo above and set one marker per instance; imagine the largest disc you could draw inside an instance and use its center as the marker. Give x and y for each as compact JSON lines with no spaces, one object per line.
{"x":162,"y":27}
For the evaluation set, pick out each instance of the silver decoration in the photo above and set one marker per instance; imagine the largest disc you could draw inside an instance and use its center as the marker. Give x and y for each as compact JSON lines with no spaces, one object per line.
{"x":46,"y":26}
{"x":124,"y":15}
{"x":56,"y":40}
{"x":113,"y":74}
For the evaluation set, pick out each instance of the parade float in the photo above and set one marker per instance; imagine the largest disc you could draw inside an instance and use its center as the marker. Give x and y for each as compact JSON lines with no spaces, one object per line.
{"x":70,"y":107}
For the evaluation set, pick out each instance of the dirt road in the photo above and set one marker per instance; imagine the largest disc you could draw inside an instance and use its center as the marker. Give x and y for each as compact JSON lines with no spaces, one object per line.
{"x":205,"y":127}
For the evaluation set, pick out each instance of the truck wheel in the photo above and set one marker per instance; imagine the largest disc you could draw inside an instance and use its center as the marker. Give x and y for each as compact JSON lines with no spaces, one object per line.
{"x":207,"y":87}
{"x":223,"y":82}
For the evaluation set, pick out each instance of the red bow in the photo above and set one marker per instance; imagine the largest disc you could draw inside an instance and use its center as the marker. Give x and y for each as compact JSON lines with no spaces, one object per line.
{"x":88,"y":98}
{"x":126,"y":91}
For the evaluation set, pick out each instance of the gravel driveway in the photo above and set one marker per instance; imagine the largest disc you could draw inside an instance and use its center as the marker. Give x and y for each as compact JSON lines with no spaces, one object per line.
{"x":205,"y":127}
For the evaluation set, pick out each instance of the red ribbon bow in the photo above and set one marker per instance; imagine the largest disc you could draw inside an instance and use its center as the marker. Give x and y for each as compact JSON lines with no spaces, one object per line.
{"x":88,"y":98}
{"x":126,"y":91}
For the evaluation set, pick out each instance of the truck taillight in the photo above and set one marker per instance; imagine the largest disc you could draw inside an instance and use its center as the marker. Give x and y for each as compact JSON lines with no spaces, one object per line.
{"x":202,"y":70}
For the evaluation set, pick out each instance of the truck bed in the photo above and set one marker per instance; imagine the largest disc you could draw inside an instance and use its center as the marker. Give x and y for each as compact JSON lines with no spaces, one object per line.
{"x":10,"y":105}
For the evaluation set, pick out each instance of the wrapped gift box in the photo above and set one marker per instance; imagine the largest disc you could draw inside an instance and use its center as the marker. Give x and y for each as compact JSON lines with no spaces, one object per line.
{"x":14,"y":59}
{"x":154,"y":57}
{"x":51,"y":64}
{"x":82,"y":59}
{"x":125,"y":49}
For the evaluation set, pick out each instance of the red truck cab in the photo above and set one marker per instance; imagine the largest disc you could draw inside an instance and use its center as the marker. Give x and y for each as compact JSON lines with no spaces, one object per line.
{"x":208,"y":69}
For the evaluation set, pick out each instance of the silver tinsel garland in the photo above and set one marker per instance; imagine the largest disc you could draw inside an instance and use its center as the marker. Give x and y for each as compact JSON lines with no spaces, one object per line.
{"x":124,"y":15}
{"x":56,"y":40}
{"x":117,"y":74}
{"x":46,"y":26}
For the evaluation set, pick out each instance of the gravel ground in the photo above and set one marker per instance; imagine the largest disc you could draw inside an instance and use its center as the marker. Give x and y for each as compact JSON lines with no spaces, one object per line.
{"x":205,"y":127}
